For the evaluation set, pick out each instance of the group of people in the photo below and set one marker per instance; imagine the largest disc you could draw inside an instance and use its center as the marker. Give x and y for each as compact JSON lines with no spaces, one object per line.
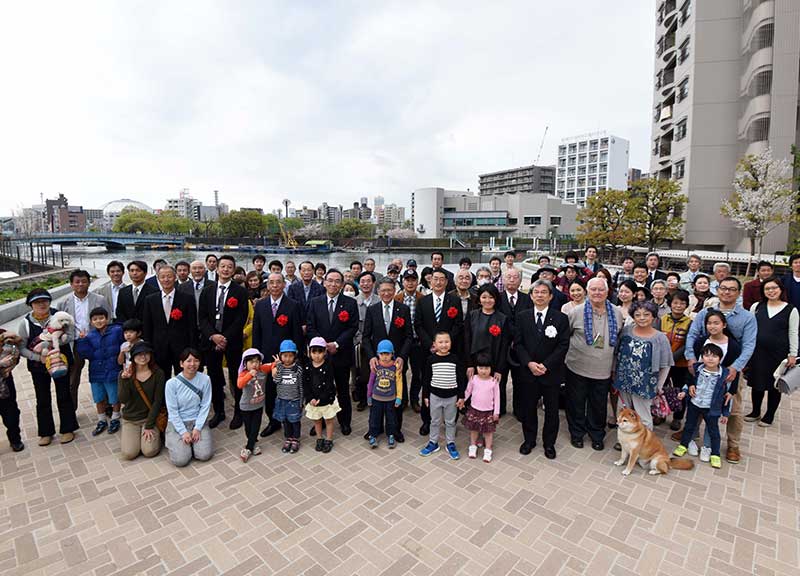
{"x":308,"y":340}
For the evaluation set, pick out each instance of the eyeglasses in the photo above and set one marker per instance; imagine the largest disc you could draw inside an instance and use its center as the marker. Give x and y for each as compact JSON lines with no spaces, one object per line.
{"x":727,"y":289}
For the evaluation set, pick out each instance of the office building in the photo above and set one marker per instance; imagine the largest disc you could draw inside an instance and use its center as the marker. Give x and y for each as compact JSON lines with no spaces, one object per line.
{"x":390,"y":216}
{"x":725,"y":85}
{"x":591,"y":162}
{"x":535,"y":179}
{"x":184,"y":204}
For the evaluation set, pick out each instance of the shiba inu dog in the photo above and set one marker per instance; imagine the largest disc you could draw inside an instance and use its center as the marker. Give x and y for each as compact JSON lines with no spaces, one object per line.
{"x":640,"y":445}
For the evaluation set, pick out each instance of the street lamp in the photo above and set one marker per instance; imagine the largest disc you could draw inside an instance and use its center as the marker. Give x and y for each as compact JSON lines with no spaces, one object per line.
{"x":286,"y":203}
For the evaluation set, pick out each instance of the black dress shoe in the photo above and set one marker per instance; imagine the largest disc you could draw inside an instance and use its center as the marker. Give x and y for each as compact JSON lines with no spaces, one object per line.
{"x":415,"y":407}
{"x":577,"y":442}
{"x":314,"y":433}
{"x":17,"y":446}
{"x":236,"y":422}
{"x":271,"y":428}
{"x":525,"y":448}
{"x":425,"y":429}
{"x":216,"y":420}
{"x":550,"y":453}
{"x":399,"y":437}
{"x":360,"y":407}
{"x":598,"y":445}
{"x":346,"y":430}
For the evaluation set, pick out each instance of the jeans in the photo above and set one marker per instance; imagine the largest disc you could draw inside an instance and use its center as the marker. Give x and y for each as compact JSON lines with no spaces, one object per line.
{"x":693,"y":414}
{"x":378,"y":412}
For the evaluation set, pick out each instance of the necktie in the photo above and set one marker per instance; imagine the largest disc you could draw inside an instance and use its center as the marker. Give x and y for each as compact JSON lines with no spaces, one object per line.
{"x":331,"y":309}
{"x":274,"y":309}
{"x":135,"y":294}
{"x":539,"y":324}
{"x":197,"y":285}
{"x":437,"y":310}
{"x":387,"y":317}
{"x":220,"y":308}
{"x":513,"y":300}
{"x":167,"y":306}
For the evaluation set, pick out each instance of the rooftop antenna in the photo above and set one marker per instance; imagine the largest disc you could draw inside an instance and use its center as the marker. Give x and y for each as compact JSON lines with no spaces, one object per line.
{"x":546,"y":128}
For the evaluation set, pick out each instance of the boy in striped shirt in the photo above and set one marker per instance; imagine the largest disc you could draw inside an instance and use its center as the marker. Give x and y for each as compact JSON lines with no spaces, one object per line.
{"x":443,"y":383}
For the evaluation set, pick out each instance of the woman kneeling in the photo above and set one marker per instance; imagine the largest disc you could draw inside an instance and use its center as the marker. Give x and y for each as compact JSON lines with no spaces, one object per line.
{"x":188,"y":397}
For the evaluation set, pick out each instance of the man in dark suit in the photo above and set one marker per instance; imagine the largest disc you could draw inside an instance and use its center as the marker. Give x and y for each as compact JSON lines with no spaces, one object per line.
{"x":194,"y":288}
{"x":211,"y":267}
{"x":410,"y":296}
{"x":276,"y":318}
{"x":158,"y":263}
{"x":512,"y":301}
{"x":542,"y":339}
{"x":170,"y":322}
{"x":223,"y":313}
{"x":130,"y":302}
{"x":437,"y":263}
{"x":438,"y":312}
{"x":389,"y":320}
{"x":334,"y":317}
{"x":653,"y":263}
{"x":307,"y":289}
{"x":548,"y":272}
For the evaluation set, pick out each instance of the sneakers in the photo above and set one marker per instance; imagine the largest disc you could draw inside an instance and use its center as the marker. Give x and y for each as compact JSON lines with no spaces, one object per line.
{"x":114,"y":426}
{"x":680,"y":450}
{"x":693,"y":451}
{"x":752,"y":417}
{"x":473,"y":451}
{"x":429,"y":449}
{"x":716,"y":462}
{"x":287,"y":446}
{"x":256,"y":451}
{"x":391,"y":442}
{"x":245,"y":454}
{"x":487,"y":455}
{"x":705,"y":454}
{"x":373,"y":442}
{"x":295,"y":445}
{"x":320,"y":443}
{"x":451,"y":449}
{"x":765,"y":423}
{"x":67,"y":437}
{"x":45,"y":440}
{"x":327,"y":446}
{"x":100,"y":428}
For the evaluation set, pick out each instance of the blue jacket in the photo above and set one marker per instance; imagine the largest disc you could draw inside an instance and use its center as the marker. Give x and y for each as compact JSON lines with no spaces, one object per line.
{"x":718,"y":406}
{"x":101,"y":350}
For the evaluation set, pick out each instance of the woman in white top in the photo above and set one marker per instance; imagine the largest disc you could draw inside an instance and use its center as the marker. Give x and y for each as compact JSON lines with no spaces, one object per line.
{"x":776,"y":342}
{"x":577,"y":291}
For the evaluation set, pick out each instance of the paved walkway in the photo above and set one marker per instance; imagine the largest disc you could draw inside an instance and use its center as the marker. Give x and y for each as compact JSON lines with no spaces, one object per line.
{"x":77,"y":509}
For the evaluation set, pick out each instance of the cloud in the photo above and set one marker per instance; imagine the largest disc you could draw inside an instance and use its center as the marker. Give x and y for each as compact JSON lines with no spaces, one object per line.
{"x":315,"y":102}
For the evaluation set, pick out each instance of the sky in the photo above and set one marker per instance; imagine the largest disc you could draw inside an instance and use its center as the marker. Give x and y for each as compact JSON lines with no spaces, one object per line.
{"x":311,"y":101}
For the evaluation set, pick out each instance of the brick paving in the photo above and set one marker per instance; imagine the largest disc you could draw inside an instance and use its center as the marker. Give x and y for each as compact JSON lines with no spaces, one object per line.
{"x":78,"y":509}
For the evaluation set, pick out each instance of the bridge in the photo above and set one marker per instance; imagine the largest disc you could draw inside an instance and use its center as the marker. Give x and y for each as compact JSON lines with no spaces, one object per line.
{"x":112,"y":240}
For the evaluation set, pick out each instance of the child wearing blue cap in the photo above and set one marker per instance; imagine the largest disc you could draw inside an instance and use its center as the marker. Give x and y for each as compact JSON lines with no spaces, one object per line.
{"x":252,"y":382}
{"x":288,"y":377}
{"x":384,"y":393}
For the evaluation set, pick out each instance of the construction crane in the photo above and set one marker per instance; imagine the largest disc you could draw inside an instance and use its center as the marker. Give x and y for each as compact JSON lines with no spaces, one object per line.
{"x":288,"y":237}
{"x":542,"y":144}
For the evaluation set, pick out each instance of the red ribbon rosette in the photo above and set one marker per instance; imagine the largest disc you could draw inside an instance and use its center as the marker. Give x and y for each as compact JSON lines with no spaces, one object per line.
{"x":343,"y":316}
{"x":232,"y":302}
{"x":176,"y":314}
{"x":452,"y":312}
{"x":494,"y":330}
{"x":399,"y":322}
{"x":282,"y":320}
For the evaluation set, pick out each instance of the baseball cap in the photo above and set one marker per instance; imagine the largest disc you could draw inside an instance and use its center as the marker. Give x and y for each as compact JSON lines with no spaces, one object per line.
{"x":317,"y":342}
{"x":411,"y":263}
{"x":37,"y":294}
{"x":393,"y":268}
{"x":410,"y":274}
{"x":141,"y":347}
{"x":385,"y":346}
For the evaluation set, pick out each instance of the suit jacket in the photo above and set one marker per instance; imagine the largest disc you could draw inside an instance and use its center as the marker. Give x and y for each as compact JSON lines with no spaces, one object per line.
{"x":189,"y":288}
{"x":426,"y":325}
{"x":95,"y":300}
{"x":473,"y":302}
{"x":153,"y":281}
{"x":126,"y":309}
{"x":233,"y":317}
{"x":400,"y":329}
{"x":534,"y":346}
{"x":523,"y":302}
{"x":297,"y":293}
{"x":169,"y":339}
{"x":105,"y":292}
{"x":211,"y":276}
{"x":362,"y":313}
{"x":559,"y":299}
{"x":268,"y":333}
{"x":498,"y":345}
{"x":659,"y":276}
{"x":342,"y":330}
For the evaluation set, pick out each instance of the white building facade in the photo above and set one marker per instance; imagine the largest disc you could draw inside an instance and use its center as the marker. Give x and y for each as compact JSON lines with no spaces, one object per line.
{"x":591,"y":162}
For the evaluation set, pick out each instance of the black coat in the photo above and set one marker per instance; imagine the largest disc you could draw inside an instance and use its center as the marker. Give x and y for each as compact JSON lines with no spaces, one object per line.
{"x":498,"y":345}
{"x":126,"y":309}
{"x":375,"y":330}
{"x":533,"y":346}
{"x":169,"y":339}
{"x":233,"y":317}
{"x":659,"y":276}
{"x":268,"y":333}
{"x":188,"y":288}
{"x":523,"y":302}
{"x":342,"y":330}
{"x":297,"y":293}
{"x":427,"y":326}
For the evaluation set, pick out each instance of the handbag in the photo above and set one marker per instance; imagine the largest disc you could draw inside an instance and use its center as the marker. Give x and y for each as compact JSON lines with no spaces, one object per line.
{"x":161,"y":418}
{"x":671,"y":395}
{"x":787,"y":380}
{"x":659,"y":407}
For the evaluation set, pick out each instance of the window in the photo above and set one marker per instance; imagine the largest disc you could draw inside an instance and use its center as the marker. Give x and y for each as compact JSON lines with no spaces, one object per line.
{"x":680,"y":169}
{"x":562,"y":150}
{"x":572,"y":148}
{"x":555,"y":220}
{"x":604,"y":157}
{"x":592,"y":181}
{"x":592,"y":158}
{"x":582,"y":159}
{"x":680,"y":130}
{"x":593,"y":145}
{"x":683,"y":90}
{"x":603,"y":168}
{"x":593,"y":169}
{"x":683,"y":51}
{"x":532,"y":220}
{"x":582,"y":146}
{"x":602,"y":181}
{"x":686,"y":11}
{"x":571,"y":172}
{"x":604,"y":143}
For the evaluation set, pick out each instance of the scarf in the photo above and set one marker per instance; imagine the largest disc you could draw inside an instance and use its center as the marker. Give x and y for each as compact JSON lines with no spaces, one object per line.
{"x":588,"y":321}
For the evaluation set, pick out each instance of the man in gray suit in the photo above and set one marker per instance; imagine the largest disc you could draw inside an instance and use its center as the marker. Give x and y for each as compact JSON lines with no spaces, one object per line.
{"x":78,"y":305}
{"x":365,"y":298}
{"x":110,"y":290}
{"x":194,"y":286}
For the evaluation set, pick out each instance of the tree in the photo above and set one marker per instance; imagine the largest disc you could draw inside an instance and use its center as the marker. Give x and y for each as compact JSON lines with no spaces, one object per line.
{"x":132,"y":221}
{"x":656,"y":210}
{"x":763,"y":197}
{"x":292,"y":224}
{"x":352,"y":229}
{"x":242,"y":224}
{"x":605,"y":220}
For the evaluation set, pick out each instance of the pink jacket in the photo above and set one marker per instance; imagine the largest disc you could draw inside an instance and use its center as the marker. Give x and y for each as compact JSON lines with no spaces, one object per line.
{"x":485,"y":394}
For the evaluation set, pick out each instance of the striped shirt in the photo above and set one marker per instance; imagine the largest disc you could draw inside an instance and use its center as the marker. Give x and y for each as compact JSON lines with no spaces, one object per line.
{"x":444,"y":376}
{"x":289,"y":382}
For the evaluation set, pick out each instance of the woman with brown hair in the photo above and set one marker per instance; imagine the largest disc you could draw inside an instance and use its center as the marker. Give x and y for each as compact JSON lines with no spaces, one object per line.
{"x":141,"y":391}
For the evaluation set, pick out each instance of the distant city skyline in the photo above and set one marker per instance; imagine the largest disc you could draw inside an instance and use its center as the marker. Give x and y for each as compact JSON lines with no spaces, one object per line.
{"x":264,"y":101}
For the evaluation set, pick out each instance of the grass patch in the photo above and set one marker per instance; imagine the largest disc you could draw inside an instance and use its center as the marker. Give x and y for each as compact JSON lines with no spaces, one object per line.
{"x":21,"y":290}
